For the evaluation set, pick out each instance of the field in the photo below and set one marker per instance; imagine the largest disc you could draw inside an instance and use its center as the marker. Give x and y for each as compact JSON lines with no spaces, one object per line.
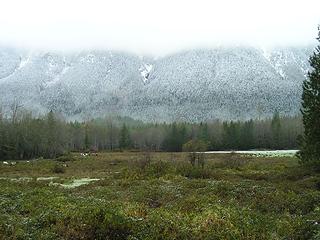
{"x":159,"y":196}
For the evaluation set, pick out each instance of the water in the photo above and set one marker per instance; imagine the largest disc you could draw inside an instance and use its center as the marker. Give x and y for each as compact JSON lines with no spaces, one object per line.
{"x":268,"y":153}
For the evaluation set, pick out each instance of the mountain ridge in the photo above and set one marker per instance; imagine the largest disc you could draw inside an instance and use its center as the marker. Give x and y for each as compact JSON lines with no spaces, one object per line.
{"x":197,"y":85}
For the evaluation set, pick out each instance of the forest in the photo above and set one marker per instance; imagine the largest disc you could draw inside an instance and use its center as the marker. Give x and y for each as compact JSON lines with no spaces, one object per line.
{"x":23,"y":136}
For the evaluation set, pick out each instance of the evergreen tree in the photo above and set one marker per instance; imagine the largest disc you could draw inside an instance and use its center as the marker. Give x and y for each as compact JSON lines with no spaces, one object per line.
{"x":86,"y":137}
{"x":111,"y":134}
{"x":182,"y":136}
{"x":125,"y":139}
{"x":170,"y":143}
{"x":275,"y":129}
{"x":51,"y":135}
{"x":246,"y":136}
{"x":176,"y":137}
{"x":231,"y":135}
{"x":310,"y":144}
{"x":1,"y":136}
{"x":204,"y":133}
{"x":54,"y":137}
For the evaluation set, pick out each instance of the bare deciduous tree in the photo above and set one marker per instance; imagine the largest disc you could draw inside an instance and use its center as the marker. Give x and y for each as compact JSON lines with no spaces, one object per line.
{"x":14,"y":108}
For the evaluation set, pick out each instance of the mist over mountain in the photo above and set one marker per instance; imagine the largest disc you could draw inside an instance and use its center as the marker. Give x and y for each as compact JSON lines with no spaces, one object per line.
{"x":196,"y":85}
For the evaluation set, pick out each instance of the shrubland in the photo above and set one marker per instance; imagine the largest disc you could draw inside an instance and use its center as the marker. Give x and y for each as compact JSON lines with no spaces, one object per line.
{"x":160,"y":196}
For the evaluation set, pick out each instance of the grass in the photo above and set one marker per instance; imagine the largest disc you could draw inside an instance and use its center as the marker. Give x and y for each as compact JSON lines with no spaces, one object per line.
{"x":159,"y":196}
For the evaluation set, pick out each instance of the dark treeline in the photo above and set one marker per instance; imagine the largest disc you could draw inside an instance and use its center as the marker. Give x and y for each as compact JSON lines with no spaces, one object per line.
{"x":23,"y":136}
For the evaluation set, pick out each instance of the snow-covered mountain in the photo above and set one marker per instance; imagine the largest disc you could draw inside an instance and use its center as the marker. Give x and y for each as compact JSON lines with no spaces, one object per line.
{"x":196,"y":85}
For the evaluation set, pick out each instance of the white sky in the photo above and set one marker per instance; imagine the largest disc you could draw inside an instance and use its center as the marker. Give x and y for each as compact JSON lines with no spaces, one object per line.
{"x":156,"y":26}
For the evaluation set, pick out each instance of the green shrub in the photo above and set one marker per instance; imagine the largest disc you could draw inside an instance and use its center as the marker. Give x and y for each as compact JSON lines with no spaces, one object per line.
{"x":159,"y":168}
{"x":65,"y":158}
{"x":144,"y":161}
{"x":193,"y":172}
{"x":166,"y":200}
{"x":234,"y":161}
{"x":96,"y":223}
{"x":57,"y":168}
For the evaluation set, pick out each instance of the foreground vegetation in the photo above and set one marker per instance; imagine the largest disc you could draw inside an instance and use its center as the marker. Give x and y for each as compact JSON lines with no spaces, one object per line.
{"x":159,"y":196}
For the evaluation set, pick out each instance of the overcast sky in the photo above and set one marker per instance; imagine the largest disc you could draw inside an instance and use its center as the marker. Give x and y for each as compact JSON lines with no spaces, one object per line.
{"x":156,"y":27}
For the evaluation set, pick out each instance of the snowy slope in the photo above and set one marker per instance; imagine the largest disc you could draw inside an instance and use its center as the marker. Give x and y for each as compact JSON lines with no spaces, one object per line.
{"x":196,"y":85}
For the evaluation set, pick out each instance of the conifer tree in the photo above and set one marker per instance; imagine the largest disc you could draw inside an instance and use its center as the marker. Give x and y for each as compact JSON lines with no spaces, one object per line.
{"x":246,"y":135}
{"x":125,"y":139}
{"x":86,"y":137}
{"x":310,"y":144}
{"x":55,"y":136}
{"x":204,"y":133}
{"x":51,"y":135}
{"x":275,"y":129}
{"x":176,"y":137}
{"x":1,"y":135}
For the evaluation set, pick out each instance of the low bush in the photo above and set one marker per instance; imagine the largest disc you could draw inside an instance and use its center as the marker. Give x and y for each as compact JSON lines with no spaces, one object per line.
{"x":190,"y":171}
{"x":143,"y":167}
{"x":58,"y":168}
{"x":234,"y":161}
{"x":95,"y":222}
{"x":270,"y":198}
{"x":65,"y":158}
{"x":159,"y":168}
{"x":144,"y":161}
